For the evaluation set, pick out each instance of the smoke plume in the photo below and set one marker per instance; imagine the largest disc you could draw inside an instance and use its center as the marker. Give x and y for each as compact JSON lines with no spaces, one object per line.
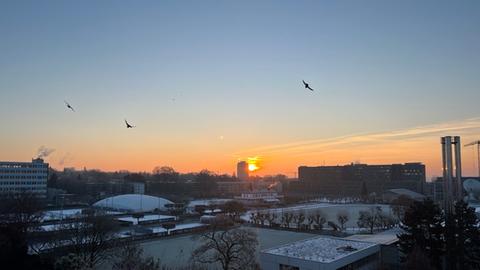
{"x":44,"y":152}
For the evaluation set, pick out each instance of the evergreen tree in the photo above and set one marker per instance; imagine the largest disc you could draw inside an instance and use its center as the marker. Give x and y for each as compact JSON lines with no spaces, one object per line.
{"x":423,"y":228}
{"x":462,"y":238}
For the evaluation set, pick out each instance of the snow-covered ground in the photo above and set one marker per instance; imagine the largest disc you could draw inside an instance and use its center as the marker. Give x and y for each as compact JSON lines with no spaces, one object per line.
{"x":176,"y":251}
{"x":328,"y":210}
{"x":61,"y":214}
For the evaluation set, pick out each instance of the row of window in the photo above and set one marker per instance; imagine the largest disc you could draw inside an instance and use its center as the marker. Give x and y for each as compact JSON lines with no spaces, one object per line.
{"x":22,"y":183}
{"x":23,"y":177}
{"x":23,"y":165}
{"x":21,"y":189}
{"x":24,"y":171}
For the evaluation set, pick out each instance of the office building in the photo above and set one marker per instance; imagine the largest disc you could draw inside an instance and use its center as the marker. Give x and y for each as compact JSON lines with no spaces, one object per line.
{"x":20,"y":177}
{"x":348,"y":180}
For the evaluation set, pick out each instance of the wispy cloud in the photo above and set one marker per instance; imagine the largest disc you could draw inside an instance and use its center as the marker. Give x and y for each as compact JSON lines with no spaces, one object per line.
{"x":467,"y":127}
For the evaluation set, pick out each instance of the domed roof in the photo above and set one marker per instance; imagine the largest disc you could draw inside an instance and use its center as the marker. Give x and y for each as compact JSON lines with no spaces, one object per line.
{"x":133,"y":203}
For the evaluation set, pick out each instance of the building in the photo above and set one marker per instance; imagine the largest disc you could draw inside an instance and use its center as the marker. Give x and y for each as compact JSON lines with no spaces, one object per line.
{"x":347,"y":180}
{"x":439,"y":187}
{"x":232,"y":187}
{"x":134,"y":203}
{"x":19,"y":177}
{"x":242,"y":170}
{"x":322,"y":253}
{"x":388,"y":241}
{"x":259,"y":197}
{"x":138,"y":187}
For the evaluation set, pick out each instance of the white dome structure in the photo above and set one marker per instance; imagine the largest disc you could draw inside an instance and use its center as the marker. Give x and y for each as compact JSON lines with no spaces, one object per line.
{"x":133,"y":203}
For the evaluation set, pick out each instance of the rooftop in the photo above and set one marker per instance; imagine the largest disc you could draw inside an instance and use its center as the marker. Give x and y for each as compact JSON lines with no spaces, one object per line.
{"x":146,"y":218}
{"x":320,"y":249}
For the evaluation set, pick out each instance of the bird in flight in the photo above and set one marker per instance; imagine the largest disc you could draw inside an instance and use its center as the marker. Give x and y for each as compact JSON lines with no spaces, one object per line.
{"x":307,"y":86}
{"x":69,"y":106}
{"x":128,"y":125}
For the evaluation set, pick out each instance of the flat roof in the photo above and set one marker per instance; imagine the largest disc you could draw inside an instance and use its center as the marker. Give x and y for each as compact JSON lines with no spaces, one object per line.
{"x":146,"y":218}
{"x":320,"y":249}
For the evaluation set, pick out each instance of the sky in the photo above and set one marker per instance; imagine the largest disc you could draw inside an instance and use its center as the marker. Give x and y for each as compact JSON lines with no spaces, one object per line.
{"x":208,"y":83}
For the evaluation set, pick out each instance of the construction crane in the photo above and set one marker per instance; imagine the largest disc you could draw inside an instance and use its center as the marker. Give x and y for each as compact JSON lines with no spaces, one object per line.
{"x":478,"y":153}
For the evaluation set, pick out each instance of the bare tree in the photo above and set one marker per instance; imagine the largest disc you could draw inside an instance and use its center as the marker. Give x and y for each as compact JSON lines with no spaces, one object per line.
{"x":233,"y":249}
{"x":19,"y":216}
{"x":271,"y":218}
{"x":298,"y":219}
{"x":22,"y":209}
{"x":342,"y":218}
{"x":287,"y":219}
{"x":90,"y":238}
{"x":318,"y":219}
{"x":130,"y":257}
{"x":233,"y":209}
{"x":262,"y":217}
{"x":371,"y":219}
{"x":254,"y":217}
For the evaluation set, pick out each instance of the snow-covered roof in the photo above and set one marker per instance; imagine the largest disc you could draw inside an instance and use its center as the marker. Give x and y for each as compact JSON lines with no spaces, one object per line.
{"x":146,"y":218}
{"x":407,"y":192}
{"x":207,"y":202}
{"x":178,"y":227}
{"x":133,"y":203}
{"x":320,"y":249}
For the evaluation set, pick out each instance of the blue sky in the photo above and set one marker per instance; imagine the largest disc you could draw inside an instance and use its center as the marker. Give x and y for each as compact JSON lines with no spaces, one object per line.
{"x":234,"y":69}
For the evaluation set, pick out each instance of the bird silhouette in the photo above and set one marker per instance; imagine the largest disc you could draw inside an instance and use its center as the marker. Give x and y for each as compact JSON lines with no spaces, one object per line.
{"x":128,"y":125}
{"x":69,"y":106}
{"x":307,"y":86}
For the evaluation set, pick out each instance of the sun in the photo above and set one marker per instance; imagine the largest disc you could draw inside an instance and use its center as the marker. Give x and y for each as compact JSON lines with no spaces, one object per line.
{"x":252,"y":167}
{"x":253,"y":164}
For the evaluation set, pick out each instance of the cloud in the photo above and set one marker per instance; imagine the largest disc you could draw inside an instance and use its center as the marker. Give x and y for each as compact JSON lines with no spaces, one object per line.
{"x":468,"y":127}
{"x":416,"y":144}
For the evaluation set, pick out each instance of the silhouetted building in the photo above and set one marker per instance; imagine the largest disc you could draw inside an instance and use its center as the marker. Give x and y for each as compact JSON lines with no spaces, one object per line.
{"x":438,"y":192}
{"x":19,"y":177}
{"x":242,"y":170}
{"x":347,"y":180}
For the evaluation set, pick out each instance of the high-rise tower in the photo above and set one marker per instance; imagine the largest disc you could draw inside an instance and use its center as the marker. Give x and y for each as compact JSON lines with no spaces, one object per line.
{"x":242,"y":170}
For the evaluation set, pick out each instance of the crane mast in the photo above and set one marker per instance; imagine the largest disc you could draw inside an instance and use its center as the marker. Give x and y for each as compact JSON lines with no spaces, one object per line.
{"x":477,"y":143}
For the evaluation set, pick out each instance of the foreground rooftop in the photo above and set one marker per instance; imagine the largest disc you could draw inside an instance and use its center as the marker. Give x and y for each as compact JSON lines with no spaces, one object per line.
{"x":320,"y":249}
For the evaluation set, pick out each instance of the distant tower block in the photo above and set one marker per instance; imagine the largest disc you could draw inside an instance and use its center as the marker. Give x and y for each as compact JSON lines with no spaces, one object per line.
{"x":242,"y":170}
{"x":452,"y":182}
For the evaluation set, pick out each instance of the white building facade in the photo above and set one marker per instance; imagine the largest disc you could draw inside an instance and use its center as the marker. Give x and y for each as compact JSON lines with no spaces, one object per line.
{"x":20,"y":177}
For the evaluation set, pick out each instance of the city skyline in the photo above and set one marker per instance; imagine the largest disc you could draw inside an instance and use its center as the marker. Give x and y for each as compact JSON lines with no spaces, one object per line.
{"x":208,"y":84}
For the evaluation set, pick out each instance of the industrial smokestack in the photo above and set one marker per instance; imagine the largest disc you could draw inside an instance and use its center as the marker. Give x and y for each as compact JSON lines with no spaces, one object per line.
{"x":453,"y":190}
{"x":458,"y":168}
{"x":447,"y":172}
